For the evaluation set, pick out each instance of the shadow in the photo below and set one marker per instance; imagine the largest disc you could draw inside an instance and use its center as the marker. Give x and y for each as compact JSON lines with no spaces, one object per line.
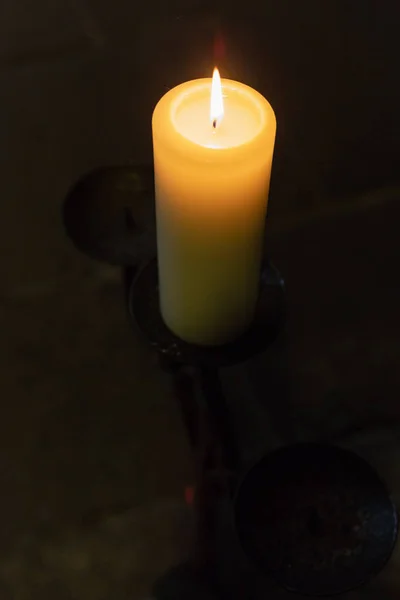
{"x":184,"y":582}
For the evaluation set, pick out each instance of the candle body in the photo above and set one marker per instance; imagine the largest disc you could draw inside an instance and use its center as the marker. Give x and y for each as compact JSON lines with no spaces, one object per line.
{"x":211,"y":202}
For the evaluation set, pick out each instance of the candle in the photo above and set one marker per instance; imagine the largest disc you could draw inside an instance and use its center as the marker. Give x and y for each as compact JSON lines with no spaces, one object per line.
{"x":213,"y":145}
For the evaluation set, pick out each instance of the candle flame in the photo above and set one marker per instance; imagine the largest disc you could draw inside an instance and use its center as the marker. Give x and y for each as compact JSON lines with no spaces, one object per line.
{"x":217,"y":105}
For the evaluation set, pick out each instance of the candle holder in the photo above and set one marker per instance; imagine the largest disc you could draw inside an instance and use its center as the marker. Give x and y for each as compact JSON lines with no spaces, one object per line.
{"x":269,"y":318}
{"x":316,"y":518}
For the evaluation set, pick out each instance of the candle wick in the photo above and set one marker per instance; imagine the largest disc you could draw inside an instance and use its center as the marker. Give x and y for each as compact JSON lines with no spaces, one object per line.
{"x":215,"y":123}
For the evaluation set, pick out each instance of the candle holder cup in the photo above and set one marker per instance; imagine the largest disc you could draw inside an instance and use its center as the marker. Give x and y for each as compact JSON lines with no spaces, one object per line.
{"x":315,"y":517}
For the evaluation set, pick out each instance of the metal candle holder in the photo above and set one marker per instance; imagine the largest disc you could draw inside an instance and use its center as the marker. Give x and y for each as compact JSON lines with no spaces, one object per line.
{"x":315,"y":517}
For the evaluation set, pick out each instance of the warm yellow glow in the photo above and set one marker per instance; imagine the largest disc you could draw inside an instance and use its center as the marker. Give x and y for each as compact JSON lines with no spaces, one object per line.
{"x":217,"y":105}
{"x":211,"y":204}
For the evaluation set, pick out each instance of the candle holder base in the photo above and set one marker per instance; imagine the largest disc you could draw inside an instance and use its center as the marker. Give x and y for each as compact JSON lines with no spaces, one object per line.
{"x":144,"y":311}
{"x":317,"y":518}
{"x":109,"y":215}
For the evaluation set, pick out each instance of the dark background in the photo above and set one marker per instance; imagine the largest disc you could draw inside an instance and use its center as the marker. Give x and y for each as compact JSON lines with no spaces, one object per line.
{"x":93,"y":455}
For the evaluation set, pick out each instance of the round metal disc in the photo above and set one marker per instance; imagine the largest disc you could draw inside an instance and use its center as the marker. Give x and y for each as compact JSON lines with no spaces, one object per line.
{"x":145,"y":312}
{"x":109,"y":215}
{"x":317,"y":518}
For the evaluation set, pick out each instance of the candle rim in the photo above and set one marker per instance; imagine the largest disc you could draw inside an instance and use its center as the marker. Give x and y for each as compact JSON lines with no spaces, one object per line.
{"x":171,"y":99}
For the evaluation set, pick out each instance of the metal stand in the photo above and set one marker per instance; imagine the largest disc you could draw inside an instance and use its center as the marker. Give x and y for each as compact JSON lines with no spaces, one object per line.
{"x":315,"y":517}
{"x":270,"y":314}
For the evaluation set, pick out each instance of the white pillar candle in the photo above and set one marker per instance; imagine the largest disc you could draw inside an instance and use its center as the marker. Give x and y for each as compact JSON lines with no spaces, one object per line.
{"x":212,"y":174}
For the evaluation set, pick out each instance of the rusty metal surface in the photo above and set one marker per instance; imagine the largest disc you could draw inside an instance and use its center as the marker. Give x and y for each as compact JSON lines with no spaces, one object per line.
{"x":317,"y":518}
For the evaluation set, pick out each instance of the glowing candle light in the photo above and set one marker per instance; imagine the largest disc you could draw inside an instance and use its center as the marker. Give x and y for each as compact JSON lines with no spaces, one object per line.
{"x":212,"y":160}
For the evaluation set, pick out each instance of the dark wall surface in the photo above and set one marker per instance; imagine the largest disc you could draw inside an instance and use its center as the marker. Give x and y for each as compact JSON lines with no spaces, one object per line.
{"x":95,"y":462}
